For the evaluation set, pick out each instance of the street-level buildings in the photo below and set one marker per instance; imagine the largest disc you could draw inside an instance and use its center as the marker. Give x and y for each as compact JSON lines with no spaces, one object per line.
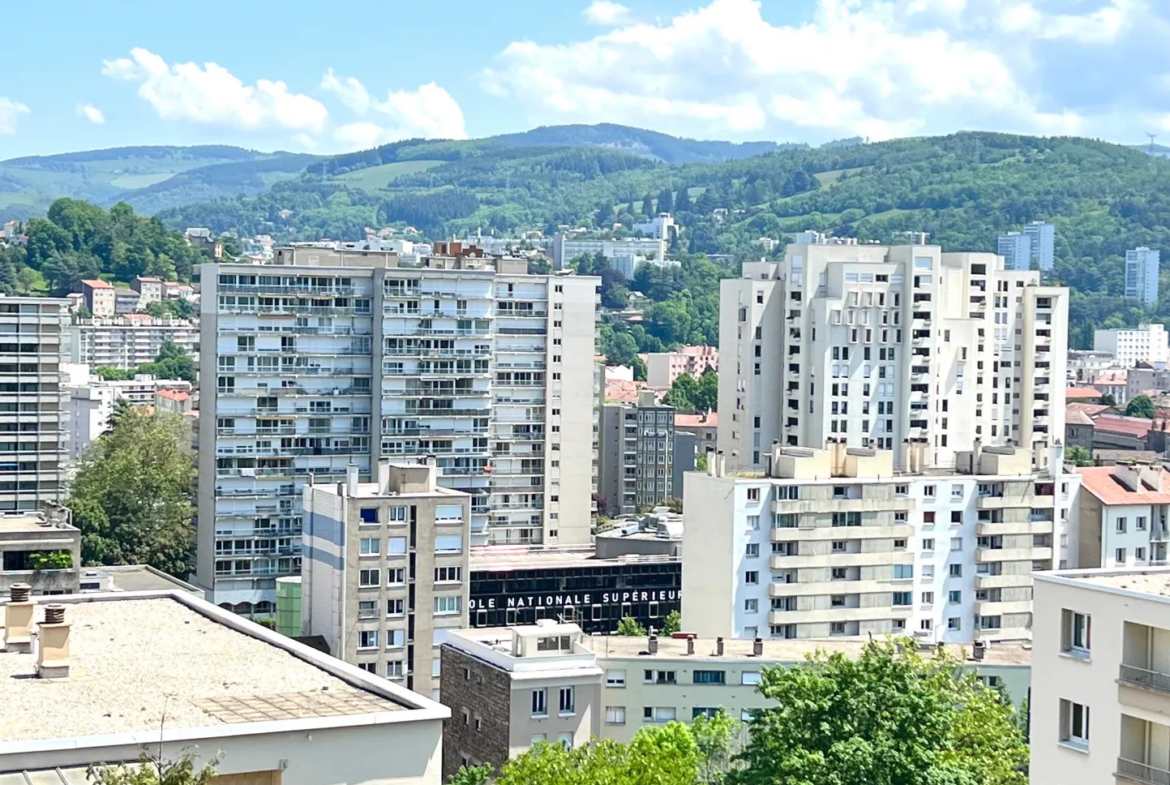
{"x":1147,"y":344}
{"x":385,"y":568}
{"x":510,"y":688}
{"x":169,"y":671}
{"x":33,"y":412}
{"x":128,"y":341}
{"x":1100,"y":697}
{"x":876,"y":346}
{"x":326,"y":357}
{"x":837,"y":543}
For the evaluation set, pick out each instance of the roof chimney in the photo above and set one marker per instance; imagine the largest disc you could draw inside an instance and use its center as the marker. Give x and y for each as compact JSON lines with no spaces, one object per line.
{"x":718,"y":647}
{"x":691,"y":645}
{"x":653,"y":648}
{"x":758,"y":647}
{"x":18,"y":619}
{"x":53,"y":644}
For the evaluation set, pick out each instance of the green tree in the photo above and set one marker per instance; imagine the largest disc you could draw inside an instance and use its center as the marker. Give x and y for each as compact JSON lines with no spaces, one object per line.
{"x":172,"y":362}
{"x":471,"y":775}
{"x":121,"y":408}
{"x":719,"y":739}
{"x":630,"y":628}
{"x":647,"y":206}
{"x":672,"y":624}
{"x":131,"y":497}
{"x":707,"y":395}
{"x":683,"y":393}
{"x":1140,"y":406}
{"x":1108,"y":399}
{"x":539,"y":267}
{"x":701,"y":462}
{"x":1078,"y":456}
{"x":153,"y":770}
{"x":111,"y":374}
{"x":890,"y":716}
{"x":664,"y":755}
{"x":665,"y":201}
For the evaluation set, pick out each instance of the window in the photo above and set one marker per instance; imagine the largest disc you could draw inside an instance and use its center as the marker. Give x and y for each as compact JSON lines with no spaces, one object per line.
{"x":1139,"y":554}
{"x":368,"y":578}
{"x":928,"y":544}
{"x":370,"y":546}
{"x":954,"y":597}
{"x":537,"y":738}
{"x":395,"y":607}
{"x":615,"y":715}
{"x":903,"y":572}
{"x":615,"y":678}
{"x":709,"y":677}
{"x":753,"y":549}
{"x":449,"y":543}
{"x":956,"y":571}
{"x":749,"y":677}
{"x":367,"y":639}
{"x":753,"y":494}
{"x":540,"y":703}
{"x":369,"y":514}
{"x":751,"y":577}
{"x":395,"y":546}
{"x":1121,"y":525}
{"x":658,"y":677}
{"x":928,"y":491}
{"x":1074,"y":723}
{"x":956,"y":516}
{"x":448,"y":574}
{"x":954,"y":624}
{"x":751,"y":606}
{"x":1075,"y":633}
{"x":395,"y":577}
{"x":928,"y":598}
{"x":956,"y":543}
{"x":1119,"y":555}
{"x":903,"y":597}
{"x":568,"y":701}
{"x":658,"y":713}
{"x":398,"y":515}
{"x":1141,"y":523}
{"x":753,"y":522}
{"x":447,"y":605}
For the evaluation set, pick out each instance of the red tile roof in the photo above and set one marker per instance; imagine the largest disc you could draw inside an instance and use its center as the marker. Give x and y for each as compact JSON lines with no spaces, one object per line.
{"x":174,"y":395}
{"x":1072,"y":393}
{"x":1111,"y":378}
{"x":1099,"y":481}
{"x":1131,"y":426}
{"x":94,"y":283}
{"x":696,"y":420}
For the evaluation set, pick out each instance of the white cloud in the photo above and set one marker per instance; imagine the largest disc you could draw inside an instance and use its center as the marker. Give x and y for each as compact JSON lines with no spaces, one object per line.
{"x":10,"y":112}
{"x":605,"y":12}
{"x":877,"y":68}
{"x":91,"y":113}
{"x":429,"y":112}
{"x":212,"y":95}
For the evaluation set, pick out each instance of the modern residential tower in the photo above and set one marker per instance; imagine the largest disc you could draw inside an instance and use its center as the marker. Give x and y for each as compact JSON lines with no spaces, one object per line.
{"x":880,"y":346}
{"x":1141,"y":274}
{"x":326,"y":357}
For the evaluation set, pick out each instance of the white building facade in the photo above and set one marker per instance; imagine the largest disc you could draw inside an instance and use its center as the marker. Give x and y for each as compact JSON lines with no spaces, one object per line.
{"x":128,"y":342}
{"x":1141,"y":274}
{"x":879,"y":345}
{"x":835,"y":543}
{"x":1147,"y":343}
{"x":327,"y":357}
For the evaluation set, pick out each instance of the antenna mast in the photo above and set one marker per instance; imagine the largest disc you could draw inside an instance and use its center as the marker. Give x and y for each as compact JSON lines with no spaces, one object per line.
{"x":1153,"y":137}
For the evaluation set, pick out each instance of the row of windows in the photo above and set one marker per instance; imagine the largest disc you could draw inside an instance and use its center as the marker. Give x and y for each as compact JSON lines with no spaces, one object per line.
{"x":396,"y":546}
{"x":371,"y":578}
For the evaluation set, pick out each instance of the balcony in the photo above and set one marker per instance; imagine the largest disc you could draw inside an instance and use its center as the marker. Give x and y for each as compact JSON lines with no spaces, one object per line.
{"x":1141,"y":772}
{"x":988,"y":608}
{"x":1002,"y":502}
{"x":1012,"y":554}
{"x":1002,"y":581}
{"x":990,"y":529}
{"x":841,"y":505}
{"x":1141,"y":677}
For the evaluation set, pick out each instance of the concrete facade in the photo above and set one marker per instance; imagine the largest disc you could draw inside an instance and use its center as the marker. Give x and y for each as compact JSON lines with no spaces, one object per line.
{"x":24,"y":537}
{"x":128,"y":342}
{"x":1121,"y":516}
{"x":879,"y":345}
{"x":386,"y":568}
{"x":835,"y":543}
{"x":99,"y":297}
{"x":327,"y":357}
{"x":1146,"y":344}
{"x":1141,"y":274}
{"x":636,"y":463}
{"x":33,"y":413}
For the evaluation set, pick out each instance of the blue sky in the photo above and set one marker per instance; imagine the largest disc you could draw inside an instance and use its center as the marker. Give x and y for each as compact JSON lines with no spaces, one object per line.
{"x":329,"y":77}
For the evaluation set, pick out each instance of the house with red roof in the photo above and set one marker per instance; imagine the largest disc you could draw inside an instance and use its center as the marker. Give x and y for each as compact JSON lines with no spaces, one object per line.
{"x":1121,"y":516}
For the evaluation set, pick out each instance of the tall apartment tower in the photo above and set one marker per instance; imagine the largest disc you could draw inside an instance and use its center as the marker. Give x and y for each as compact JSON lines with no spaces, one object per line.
{"x":1035,"y":247}
{"x":1016,"y":250}
{"x":881,"y":347}
{"x":326,"y":357}
{"x":33,"y":426}
{"x":1141,"y":274}
{"x":637,"y":455}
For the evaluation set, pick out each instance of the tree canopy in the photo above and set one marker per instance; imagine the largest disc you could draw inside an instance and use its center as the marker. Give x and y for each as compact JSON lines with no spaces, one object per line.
{"x":132,"y":494}
{"x":1140,"y":406}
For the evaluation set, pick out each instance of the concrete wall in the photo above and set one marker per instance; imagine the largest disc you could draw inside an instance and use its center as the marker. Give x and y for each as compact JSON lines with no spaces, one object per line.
{"x":711,"y":551}
{"x":479,"y":697}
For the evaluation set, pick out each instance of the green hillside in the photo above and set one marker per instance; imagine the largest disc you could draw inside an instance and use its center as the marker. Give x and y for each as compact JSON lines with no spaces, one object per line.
{"x":151,"y":178}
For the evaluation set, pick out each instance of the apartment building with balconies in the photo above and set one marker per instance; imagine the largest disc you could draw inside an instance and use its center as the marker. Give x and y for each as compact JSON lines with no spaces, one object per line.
{"x":327,"y":357}
{"x":839,"y":543}
{"x":33,"y":411}
{"x":128,"y":341}
{"x":1120,"y":519}
{"x":877,"y":345}
{"x":636,"y":460}
{"x":386,"y":567}
{"x":1100,"y":701}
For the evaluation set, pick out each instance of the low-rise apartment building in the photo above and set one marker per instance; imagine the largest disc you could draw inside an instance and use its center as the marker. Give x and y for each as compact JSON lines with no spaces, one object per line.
{"x":1120,"y":519}
{"x":510,"y":688}
{"x":662,"y":368}
{"x":173,"y":672}
{"x":41,"y":551}
{"x":99,"y":297}
{"x":1146,"y":343}
{"x":385,"y":568}
{"x":836,"y":543}
{"x":129,"y":341}
{"x":1100,"y":703}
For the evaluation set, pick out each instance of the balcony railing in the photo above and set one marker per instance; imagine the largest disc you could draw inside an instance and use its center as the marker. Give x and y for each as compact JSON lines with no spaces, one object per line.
{"x":1154,"y":680}
{"x":1142,"y":772}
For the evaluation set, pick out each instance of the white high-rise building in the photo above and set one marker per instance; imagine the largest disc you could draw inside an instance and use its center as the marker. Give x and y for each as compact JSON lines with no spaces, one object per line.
{"x":1148,"y":343}
{"x":326,"y":357}
{"x":879,"y":346}
{"x":1141,"y":274}
{"x":1034,"y":248}
{"x":836,"y":543}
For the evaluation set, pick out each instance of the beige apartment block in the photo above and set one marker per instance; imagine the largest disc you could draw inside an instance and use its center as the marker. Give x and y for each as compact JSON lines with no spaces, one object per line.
{"x":877,"y":346}
{"x":498,"y":684}
{"x":1100,"y":701}
{"x":386,"y":569}
{"x":839,"y":543}
{"x":327,"y":357}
